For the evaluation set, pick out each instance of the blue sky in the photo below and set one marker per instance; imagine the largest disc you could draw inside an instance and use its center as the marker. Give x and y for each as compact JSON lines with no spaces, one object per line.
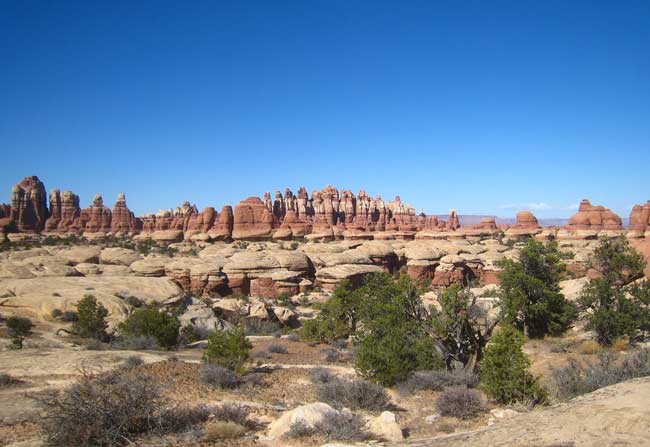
{"x":483,"y":106}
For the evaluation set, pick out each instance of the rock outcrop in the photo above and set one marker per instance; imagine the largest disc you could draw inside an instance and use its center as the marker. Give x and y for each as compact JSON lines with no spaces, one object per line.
{"x":590,"y":217}
{"x":122,"y":219}
{"x":64,"y":212}
{"x":525,"y":225}
{"x":97,"y":217}
{"x":28,"y":205}
{"x":252,"y":220}
{"x":640,"y":219}
{"x":328,"y":215}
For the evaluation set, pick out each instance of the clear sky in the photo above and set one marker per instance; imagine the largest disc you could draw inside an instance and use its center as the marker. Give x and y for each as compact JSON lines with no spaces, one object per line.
{"x":483,"y":106}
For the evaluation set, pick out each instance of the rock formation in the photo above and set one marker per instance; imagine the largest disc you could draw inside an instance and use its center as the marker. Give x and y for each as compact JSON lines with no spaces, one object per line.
{"x":64,"y":212}
{"x":590,"y":217}
{"x":252,"y":220}
{"x":640,"y":219}
{"x":97,"y":217}
{"x":122,"y":220}
{"x":329,"y":214}
{"x":525,"y":225}
{"x":28,"y":205}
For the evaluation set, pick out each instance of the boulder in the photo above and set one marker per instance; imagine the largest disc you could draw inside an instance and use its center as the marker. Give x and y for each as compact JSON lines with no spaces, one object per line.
{"x":118,"y":256}
{"x":385,"y":426}
{"x":310,"y":415}
{"x":81,"y":254}
{"x":150,"y":266}
{"x":202,"y":318}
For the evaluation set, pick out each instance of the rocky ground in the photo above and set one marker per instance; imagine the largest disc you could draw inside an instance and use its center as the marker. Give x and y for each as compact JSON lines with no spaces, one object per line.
{"x":272,"y":286}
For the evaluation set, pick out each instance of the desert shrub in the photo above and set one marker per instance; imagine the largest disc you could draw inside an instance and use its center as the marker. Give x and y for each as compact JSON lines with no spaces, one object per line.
{"x":334,"y":427}
{"x":321,"y":375}
{"x":56,"y":313}
{"x":300,"y":429}
{"x":459,"y":402}
{"x":277,"y":348}
{"x":134,"y":301}
{"x":253,"y":379}
{"x":353,"y":394}
{"x":133,"y":361}
{"x":342,"y":427}
{"x":69,"y":316}
{"x":261,"y":327}
{"x":180,"y":417}
{"x":218,"y":376}
{"x":233,"y":413}
{"x":264,"y":355}
{"x":91,"y":321}
{"x":341,"y":343}
{"x":439,"y":379}
{"x":530,"y":297}
{"x":229,"y":349}
{"x":110,"y":410}
{"x":293,"y":337}
{"x":505,"y":370}
{"x":330,"y":355}
{"x":6,"y":380}
{"x":575,"y":379}
{"x":139,"y":343}
{"x":149,"y":322}
{"x":614,"y":307}
{"x":19,"y":328}
{"x":216,"y":430}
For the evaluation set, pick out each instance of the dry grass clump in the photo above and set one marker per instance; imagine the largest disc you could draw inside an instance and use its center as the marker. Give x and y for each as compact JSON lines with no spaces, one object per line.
{"x":459,"y":402}
{"x":588,"y":347}
{"x":132,"y":361}
{"x":576,"y":379}
{"x":233,"y":413}
{"x":321,"y":375}
{"x":218,"y":376}
{"x":217,"y":430}
{"x":439,"y":379}
{"x":331,"y":355}
{"x":353,"y":394}
{"x":277,"y":348}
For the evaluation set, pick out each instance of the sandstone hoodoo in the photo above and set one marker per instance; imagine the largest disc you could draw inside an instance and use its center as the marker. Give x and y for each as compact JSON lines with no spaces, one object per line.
{"x":122,"y":220}
{"x":28,"y":205}
{"x":329,"y":214}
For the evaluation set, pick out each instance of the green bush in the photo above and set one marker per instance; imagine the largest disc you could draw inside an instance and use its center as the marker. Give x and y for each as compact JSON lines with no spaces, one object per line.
{"x":393,"y":341}
{"x":530,"y":295}
{"x":229,"y":349}
{"x":91,"y":319}
{"x":150,"y":322}
{"x":19,"y":329}
{"x":614,"y":306}
{"x":505,"y":370}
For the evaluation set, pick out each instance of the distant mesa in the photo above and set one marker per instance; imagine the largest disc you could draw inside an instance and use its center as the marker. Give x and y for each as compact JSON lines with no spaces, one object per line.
{"x":329,"y":214}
